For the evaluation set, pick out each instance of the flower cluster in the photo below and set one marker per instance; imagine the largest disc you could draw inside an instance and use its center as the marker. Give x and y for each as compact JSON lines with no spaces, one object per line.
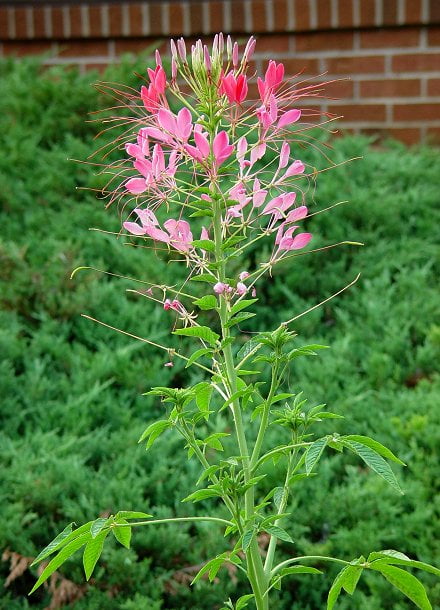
{"x":220,"y":146}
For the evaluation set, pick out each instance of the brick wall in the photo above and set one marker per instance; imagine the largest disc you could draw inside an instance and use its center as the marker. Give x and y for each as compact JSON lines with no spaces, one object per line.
{"x":384,"y":54}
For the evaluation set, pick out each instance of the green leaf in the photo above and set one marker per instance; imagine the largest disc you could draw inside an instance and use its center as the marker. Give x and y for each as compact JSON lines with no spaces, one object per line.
{"x":408,"y":584}
{"x":346,"y":579}
{"x":212,"y":566}
{"x":92,"y":552}
{"x":60,"y":540}
{"x":299,"y":569}
{"x":243,"y":601}
{"x":153,"y":431}
{"x":204,"y":277}
{"x":314,"y":453}
{"x":278,"y":532}
{"x":242,"y":304}
{"x":278,"y":496}
{"x":131,"y":514}
{"x":396,"y":558}
{"x":205,"y":244}
{"x":203,"y":397}
{"x":375,"y":446}
{"x":122,"y":534}
{"x":207,"y":302}
{"x":201,"y":494}
{"x":247,"y":539}
{"x":283,"y":396}
{"x":375,"y":462}
{"x":196,"y":355}
{"x":241,"y":317}
{"x":62,"y":556}
{"x":97,"y":525}
{"x":202,"y":332}
{"x":247,"y":348}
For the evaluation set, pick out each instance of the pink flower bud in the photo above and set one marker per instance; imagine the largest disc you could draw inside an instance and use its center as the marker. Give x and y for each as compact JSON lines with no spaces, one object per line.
{"x":220,"y":287}
{"x":158,"y":58}
{"x":169,"y":364}
{"x":254,"y":292}
{"x":235,"y":55}
{"x":173,"y":69}
{"x":244,"y":275}
{"x":167,"y":304}
{"x":241,"y":288}
{"x":173,"y":49}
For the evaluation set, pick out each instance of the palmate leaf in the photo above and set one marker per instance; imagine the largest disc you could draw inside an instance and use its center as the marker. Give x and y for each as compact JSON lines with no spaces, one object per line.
{"x":201,"y":332}
{"x":92,"y":552}
{"x":395,"y":558}
{"x":62,"y":556}
{"x":66,"y":536}
{"x":374,"y":461}
{"x":123,"y":534}
{"x":314,"y":453}
{"x":347,"y":579}
{"x":408,"y":584}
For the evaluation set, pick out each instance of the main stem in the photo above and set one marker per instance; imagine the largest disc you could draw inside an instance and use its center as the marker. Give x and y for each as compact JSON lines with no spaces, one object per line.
{"x":256,"y":573}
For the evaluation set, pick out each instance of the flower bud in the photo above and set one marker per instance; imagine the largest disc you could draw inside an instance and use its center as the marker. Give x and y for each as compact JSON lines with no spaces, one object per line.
{"x":241,"y":288}
{"x":220,"y":287}
{"x":244,"y":275}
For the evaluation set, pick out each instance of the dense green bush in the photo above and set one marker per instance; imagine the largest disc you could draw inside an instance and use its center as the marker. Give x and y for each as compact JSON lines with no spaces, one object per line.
{"x":72,"y":408}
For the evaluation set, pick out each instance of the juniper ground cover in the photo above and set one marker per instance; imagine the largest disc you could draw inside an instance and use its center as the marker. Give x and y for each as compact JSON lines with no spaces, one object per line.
{"x":72,"y":408}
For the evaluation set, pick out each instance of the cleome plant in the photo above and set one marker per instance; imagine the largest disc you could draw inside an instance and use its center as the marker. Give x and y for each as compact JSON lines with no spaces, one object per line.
{"x":225,"y":165}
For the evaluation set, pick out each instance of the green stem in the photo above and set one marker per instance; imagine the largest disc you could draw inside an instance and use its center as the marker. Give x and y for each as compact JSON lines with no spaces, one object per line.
{"x":265,"y":417}
{"x":174,"y":520}
{"x":256,"y":573}
{"x":286,"y":563}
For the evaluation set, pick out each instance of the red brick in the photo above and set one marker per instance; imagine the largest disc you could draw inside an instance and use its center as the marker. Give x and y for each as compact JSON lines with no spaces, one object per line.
{"x":367,"y":13}
{"x":345,"y":13}
{"x":280,"y":15}
{"x":95,"y":21}
{"x":354,"y":65}
{"x":75,"y":21}
{"x":324,"y":14}
{"x":196,"y":17}
{"x":434,"y":86}
{"x":434,"y":11}
{"x":26,"y":47}
{"x":79,"y":48}
{"x":156,"y":18}
{"x":176,"y":19}
{"x":272,"y":44}
{"x":413,"y":11}
{"x":420,"y":62}
{"x":4,"y":33}
{"x":216,"y":17}
{"x":302,"y":15}
{"x":303,"y":66}
{"x":115,"y":19}
{"x":132,"y":45}
{"x":376,"y":39}
{"x":38,"y":22}
{"x":433,"y":135}
{"x":389,"y":12}
{"x":258,"y":16}
{"x":99,"y":67}
{"x":360,"y":112}
{"x":416,"y":112}
{"x":57,"y":22}
{"x":411,"y":135}
{"x":390,"y":88}
{"x":434,"y":37}
{"x":339,"y":89}
{"x":323,"y":41}
{"x":21,"y":22}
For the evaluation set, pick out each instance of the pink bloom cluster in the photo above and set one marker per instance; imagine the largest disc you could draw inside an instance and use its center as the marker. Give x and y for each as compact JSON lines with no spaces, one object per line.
{"x":218,"y":137}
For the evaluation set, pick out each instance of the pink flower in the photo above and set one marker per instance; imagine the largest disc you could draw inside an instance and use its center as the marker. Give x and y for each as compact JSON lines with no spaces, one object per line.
{"x":180,"y":236}
{"x":289,"y":117}
{"x":244,"y":275}
{"x":241,"y":288}
{"x":272,"y":79}
{"x":234,"y":87}
{"x":221,"y":148}
{"x":297,"y":214}
{"x":286,"y":241}
{"x":179,"y":126}
{"x":140,"y":149}
{"x":220,"y":287}
{"x":158,"y":79}
{"x":278,"y":206}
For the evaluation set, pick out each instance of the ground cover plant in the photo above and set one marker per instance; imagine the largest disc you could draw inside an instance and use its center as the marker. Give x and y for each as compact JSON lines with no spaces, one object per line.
{"x":61,"y":429}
